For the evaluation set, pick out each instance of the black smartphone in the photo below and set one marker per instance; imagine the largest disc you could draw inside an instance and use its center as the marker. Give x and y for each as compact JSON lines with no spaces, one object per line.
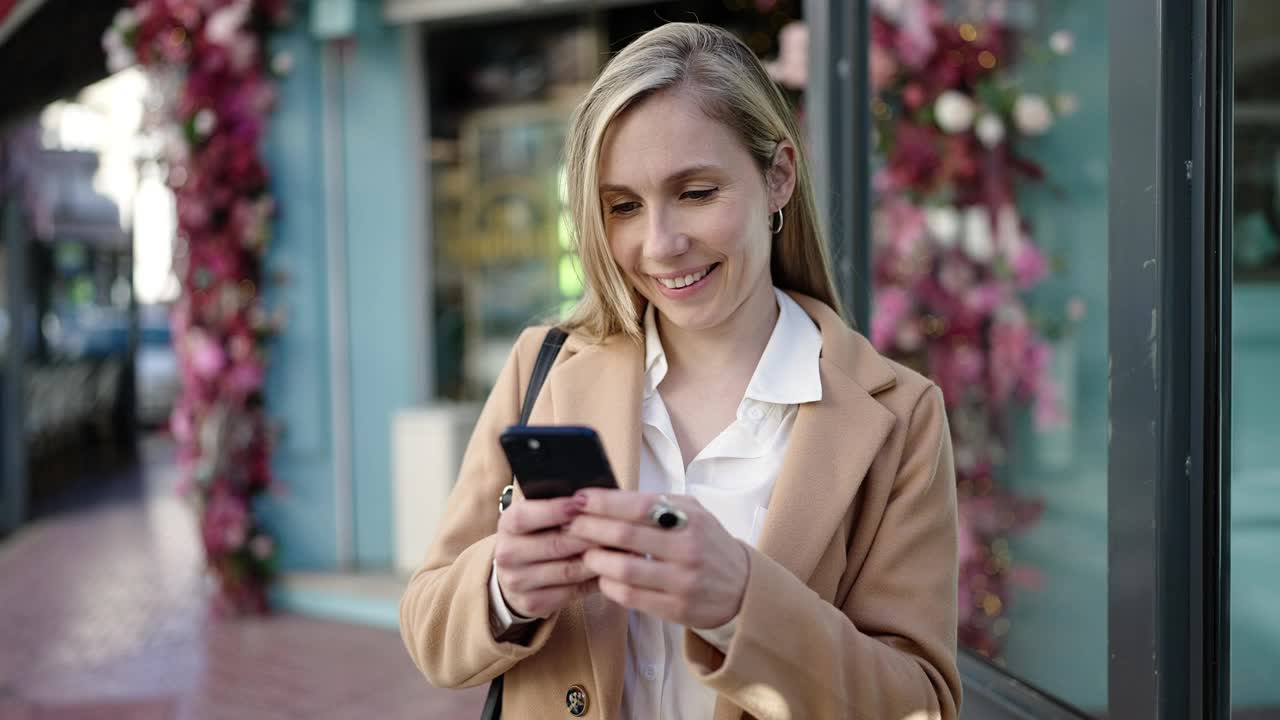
{"x":556,"y":460}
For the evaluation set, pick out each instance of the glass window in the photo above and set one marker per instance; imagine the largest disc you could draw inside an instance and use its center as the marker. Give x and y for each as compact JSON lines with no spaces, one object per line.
{"x":1255,"y":348}
{"x":499,"y":107}
{"x":990,"y":270}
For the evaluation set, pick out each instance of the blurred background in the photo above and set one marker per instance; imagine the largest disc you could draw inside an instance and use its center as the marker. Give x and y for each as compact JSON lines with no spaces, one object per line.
{"x":260,"y":262}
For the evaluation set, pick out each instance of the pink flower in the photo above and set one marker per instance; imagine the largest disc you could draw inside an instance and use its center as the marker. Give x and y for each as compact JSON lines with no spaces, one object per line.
{"x":241,"y":347}
{"x":909,"y":337}
{"x":891,"y":305}
{"x":915,"y":42}
{"x":1029,"y":265}
{"x":968,"y":363}
{"x":916,"y":157}
{"x":234,"y":537}
{"x":242,"y":51}
{"x":261,"y":546}
{"x":1047,"y":409}
{"x":1039,"y":356}
{"x":193,"y":215}
{"x":792,"y":66}
{"x":245,"y":378}
{"x":180,"y":425}
{"x":913,"y":95}
{"x":956,"y":276}
{"x":984,"y":298}
{"x":1075,"y":309}
{"x":207,"y":357}
{"x":906,"y":227}
{"x":1010,"y":344}
{"x":883,"y":68}
{"x":223,"y":25}
{"x":225,"y":522}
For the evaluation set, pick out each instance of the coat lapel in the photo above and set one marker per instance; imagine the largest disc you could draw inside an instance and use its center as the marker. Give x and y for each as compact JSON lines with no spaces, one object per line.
{"x":832,"y":446}
{"x":600,"y":387}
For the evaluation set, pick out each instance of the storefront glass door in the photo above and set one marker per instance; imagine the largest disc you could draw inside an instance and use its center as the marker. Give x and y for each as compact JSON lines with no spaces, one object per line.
{"x":1255,"y":351}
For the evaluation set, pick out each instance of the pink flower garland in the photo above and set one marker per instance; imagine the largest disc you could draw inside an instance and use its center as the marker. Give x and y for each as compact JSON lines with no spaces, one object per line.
{"x":206,"y":59}
{"x":953,"y":259}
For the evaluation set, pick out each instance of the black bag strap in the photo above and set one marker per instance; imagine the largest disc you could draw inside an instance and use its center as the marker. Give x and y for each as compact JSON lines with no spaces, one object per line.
{"x":493,"y":702}
{"x":551,"y":345}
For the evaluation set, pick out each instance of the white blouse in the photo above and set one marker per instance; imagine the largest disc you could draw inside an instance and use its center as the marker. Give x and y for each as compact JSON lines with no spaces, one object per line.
{"x":733,"y":478}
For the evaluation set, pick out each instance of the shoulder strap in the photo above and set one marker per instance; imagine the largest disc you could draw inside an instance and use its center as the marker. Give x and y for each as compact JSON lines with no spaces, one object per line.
{"x":551,"y":345}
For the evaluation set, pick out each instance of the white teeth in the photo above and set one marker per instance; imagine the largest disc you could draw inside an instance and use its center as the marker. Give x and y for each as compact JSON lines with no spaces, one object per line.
{"x":686,"y":281}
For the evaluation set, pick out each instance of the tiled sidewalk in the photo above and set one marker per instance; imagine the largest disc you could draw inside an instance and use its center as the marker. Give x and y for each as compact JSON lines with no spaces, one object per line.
{"x":103,"y":616}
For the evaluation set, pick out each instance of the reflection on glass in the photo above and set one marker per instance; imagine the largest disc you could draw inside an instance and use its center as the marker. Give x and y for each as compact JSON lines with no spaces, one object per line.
{"x":501,"y":99}
{"x":1059,"y":635}
{"x":1255,"y":348}
{"x":990,"y":271}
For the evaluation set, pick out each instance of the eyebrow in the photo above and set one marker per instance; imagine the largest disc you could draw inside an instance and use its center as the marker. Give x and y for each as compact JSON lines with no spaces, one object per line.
{"x":671,"y":179}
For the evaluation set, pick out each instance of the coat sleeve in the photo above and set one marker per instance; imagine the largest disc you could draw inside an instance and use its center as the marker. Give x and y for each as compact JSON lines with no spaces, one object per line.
{"x":889,"y":651}
{"x":444,"y":612}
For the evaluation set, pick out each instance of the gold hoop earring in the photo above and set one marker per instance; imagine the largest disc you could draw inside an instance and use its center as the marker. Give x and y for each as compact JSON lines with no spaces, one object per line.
{"x":781,"y":219}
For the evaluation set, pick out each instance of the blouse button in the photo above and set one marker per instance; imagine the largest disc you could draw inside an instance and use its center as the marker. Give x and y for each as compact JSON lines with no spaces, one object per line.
{"x":755,"y":413}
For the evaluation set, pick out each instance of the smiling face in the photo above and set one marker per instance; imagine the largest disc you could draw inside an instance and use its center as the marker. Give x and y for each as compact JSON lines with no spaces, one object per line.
{"x":686,"y":212}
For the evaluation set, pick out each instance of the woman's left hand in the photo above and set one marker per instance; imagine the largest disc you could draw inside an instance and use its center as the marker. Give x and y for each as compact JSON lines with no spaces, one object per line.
{"x":694,"y":575}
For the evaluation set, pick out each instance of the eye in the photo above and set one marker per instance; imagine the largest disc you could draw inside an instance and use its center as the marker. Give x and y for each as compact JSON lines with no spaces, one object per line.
{"x":625,"y":208}
{"x":698,"y":194}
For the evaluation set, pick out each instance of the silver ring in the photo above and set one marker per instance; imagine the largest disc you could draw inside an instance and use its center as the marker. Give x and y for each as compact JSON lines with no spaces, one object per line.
{"x":666,"y":516}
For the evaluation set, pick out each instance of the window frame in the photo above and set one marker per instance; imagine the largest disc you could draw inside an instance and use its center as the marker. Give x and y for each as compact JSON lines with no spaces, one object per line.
{"x":837,"y":101}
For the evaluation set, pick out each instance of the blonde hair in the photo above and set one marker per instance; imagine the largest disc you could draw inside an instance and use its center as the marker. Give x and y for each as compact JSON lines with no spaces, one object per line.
{"x":730,"y":86}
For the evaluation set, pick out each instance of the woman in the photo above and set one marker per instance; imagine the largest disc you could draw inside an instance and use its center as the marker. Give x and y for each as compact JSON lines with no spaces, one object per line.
{"x":813,"y":570}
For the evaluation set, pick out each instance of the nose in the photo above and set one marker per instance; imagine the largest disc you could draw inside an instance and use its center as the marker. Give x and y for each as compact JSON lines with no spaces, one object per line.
{"x":663,"y":239}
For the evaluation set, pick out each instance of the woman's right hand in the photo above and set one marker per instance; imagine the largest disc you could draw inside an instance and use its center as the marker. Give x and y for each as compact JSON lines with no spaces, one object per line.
{"x":539,"y":566}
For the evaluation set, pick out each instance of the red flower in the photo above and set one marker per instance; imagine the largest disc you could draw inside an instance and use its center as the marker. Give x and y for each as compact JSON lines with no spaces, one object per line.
{"x":226,"y":522}
{"x":915,"y":161}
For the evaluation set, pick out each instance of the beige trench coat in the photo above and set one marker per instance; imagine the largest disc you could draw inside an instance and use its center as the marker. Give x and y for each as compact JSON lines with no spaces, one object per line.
{"x":850,"y":605}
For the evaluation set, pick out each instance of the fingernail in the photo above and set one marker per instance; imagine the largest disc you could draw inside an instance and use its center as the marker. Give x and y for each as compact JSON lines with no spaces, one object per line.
{"x":580,"y":501}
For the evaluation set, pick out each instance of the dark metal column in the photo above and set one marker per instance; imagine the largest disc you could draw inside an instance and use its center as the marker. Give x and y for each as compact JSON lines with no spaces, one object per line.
{"x":839,"y":143}
{"x":1163,"y":559}
{"x":1210,"y":476}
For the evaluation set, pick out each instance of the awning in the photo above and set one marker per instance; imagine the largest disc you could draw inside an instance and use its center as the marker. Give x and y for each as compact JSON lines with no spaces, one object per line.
{"x":50,"y":49}
{"x":428,"y":11}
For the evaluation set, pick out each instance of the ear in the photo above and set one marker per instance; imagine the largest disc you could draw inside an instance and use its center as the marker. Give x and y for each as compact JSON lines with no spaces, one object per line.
{"x":781,"y":177}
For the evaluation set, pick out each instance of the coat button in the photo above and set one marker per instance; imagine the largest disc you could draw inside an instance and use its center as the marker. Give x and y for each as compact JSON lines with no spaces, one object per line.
{"x":576,"y":700}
